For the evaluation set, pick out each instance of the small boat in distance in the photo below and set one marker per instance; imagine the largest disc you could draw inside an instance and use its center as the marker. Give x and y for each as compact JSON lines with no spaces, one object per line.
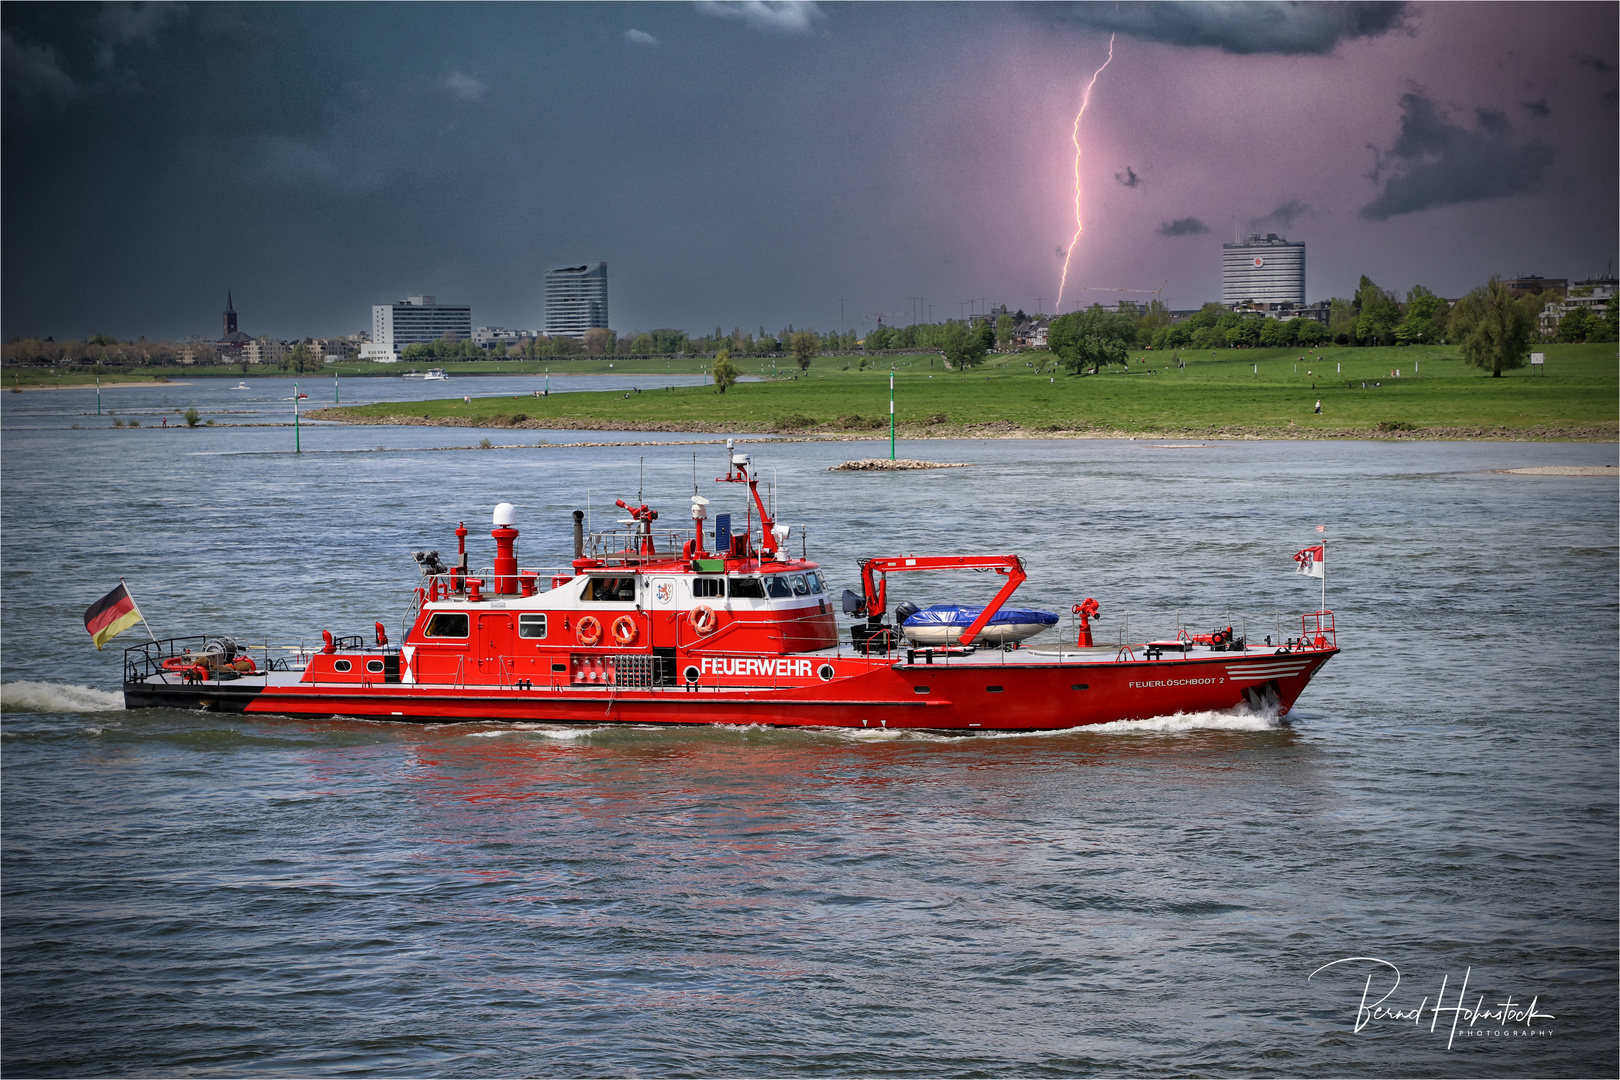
{"x":431,"y":375}
{"x":241,"y":386}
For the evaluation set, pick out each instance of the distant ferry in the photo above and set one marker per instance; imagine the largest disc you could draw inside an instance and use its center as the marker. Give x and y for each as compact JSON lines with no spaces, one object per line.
{"x":431,"y":375}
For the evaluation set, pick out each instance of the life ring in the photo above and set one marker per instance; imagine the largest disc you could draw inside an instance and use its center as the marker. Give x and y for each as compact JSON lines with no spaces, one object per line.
{"x":624,"y":630}
{"x":588,"y":631}
{"x":702,"y":619}
{"x":244,"y":664}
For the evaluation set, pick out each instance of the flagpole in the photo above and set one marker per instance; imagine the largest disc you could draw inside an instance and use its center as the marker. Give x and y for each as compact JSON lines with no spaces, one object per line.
{"x":138,"y":611}
{"x":1324,"y":573}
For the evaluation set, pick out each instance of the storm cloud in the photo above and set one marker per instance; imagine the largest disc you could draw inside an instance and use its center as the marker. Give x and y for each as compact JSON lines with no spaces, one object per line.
{"x":1237,"y":26}
{"x":1539,"y":109}
{"x":1128,"y":178}
{"x":1435,"y":162}
{"x":1284,"y":216}
{"x":1186,"y":226}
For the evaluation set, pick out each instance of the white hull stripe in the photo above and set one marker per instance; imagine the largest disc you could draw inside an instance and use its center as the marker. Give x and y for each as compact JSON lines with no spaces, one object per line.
{"x":1265,"y":671}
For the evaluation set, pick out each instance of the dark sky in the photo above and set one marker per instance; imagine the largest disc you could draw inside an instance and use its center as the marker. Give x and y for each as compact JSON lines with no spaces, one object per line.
{"x":748,"y":164}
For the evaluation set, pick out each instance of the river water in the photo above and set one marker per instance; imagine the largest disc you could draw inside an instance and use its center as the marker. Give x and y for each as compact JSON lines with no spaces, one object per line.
{"x":194,"y":893}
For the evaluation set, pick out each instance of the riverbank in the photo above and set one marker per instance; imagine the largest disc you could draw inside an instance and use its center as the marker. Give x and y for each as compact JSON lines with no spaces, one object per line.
{"x":988,"y":430}
{"x":1337,"y":393}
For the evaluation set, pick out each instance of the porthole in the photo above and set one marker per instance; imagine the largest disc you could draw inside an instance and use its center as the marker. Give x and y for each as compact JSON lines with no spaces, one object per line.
{"x":374,"y":666}
{"x":826,"y":672}
{"x":1080,"y":686}
{"x":341,"y":665}
{"x":919,"y":689}
{"x":992,"y":689}
{"x":691,"y":673}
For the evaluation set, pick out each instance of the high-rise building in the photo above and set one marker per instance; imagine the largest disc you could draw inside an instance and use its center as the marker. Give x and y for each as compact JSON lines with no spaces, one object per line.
{"x":1266,"y":269}
{"x":576,"y":300}
{"x":418,"y":319}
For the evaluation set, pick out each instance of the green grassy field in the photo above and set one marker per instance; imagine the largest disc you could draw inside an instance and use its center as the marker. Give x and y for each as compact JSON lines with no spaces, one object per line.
{"x":1576,"y":396}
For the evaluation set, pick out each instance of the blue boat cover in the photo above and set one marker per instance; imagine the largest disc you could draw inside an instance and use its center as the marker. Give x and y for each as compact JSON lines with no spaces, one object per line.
{"x":963,"y":615}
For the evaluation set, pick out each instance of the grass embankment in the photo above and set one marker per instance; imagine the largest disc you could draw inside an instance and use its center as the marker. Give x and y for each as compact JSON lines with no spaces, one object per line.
{"x":1216,"y":395}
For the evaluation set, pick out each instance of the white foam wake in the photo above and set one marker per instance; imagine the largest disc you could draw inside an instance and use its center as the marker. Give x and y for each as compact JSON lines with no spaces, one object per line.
{"x":1232,"y":720}
{"x":43,"y":697}
{"x":548,"y":731}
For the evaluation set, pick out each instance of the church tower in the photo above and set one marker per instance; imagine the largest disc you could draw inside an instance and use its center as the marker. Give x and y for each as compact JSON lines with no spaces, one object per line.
{"x":230,"y":315}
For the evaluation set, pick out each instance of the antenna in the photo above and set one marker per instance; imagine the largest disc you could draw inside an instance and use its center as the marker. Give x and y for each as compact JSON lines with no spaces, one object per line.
{"x":694,"y":474}
{"x":641,"y":489}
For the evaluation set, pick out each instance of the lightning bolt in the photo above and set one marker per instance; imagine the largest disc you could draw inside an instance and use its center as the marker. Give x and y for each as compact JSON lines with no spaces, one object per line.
{"x":1085,"y":99}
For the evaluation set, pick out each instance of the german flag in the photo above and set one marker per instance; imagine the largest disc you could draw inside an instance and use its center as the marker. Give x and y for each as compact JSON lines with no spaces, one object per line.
{"x":111,"y":615}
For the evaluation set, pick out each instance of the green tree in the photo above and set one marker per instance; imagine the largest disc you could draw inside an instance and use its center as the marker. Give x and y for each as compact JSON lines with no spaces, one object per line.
{"x":1341,"y":320}
{"x":1247,"y":332}
{"x":1378,"y":314}
{"x":805,"y":344}
{"x":1311,"y":332}
{"x":1004,"y":330}
{"x":962,"y":346}
{"x":1576,"y":325}
{"x":192,"y":416}
{"x":1094,"y":337}
{"x":987,"y":334}
{"x":1207,"y":315}
{"x":1494,"y":327}
{"x":301,"y":359}
{"x":724,"y":371}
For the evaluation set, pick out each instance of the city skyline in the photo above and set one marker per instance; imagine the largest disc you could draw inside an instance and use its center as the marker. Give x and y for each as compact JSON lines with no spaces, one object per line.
{"x":753,"y":164}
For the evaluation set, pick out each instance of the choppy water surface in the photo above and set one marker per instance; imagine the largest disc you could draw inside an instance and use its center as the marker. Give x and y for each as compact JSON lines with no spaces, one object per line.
{"x":188,"y":893}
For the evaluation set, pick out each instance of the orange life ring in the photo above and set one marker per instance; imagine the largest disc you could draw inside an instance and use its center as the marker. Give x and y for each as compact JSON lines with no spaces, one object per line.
{"x":588,"y":631}
{"x":624,"y":630}
{"x":702,"y":619}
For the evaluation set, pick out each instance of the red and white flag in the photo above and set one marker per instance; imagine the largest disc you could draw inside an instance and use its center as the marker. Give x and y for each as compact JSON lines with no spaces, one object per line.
{"x":1311,"y":562}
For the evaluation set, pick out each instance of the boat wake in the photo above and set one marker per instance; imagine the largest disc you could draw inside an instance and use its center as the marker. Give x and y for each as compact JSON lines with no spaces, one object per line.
{"x":1240,"y":719}
{"x":548,"y":731}
{"x":1229,"y":720}
{"x":43,"y":697}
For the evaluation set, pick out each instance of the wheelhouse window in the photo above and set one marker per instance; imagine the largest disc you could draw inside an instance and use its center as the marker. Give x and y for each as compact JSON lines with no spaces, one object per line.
{"x":611,"y":589}
{"x":815,"y":581}
{"x":708,"y":586}
{"x":800,"y":586}
{"x":532,"y":625}
{"x":778,"y":587}
{"x":446,"y":624}
{"x":747,"y":588}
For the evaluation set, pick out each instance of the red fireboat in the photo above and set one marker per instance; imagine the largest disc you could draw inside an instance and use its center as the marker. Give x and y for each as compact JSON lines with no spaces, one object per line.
{"x":704,"y":626}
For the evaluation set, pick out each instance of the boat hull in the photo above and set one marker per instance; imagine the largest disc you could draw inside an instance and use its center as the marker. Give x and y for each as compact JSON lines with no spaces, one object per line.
{"x":1005,"y":694}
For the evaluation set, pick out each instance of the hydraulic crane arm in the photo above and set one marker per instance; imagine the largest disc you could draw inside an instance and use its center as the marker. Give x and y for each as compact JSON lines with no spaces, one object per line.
{"x":876,"y":592}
